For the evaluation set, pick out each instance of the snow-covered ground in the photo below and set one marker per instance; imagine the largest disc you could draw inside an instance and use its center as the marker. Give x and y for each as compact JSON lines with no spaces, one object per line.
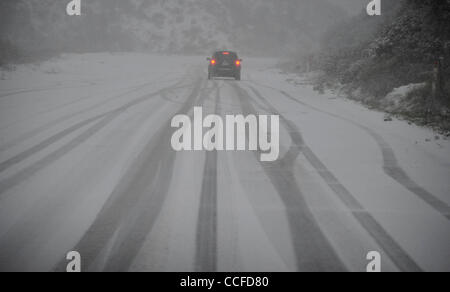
{"x":86,"y":164}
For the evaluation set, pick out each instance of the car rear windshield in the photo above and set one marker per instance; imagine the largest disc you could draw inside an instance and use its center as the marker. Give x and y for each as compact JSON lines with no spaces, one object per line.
{"x":225,"y":56}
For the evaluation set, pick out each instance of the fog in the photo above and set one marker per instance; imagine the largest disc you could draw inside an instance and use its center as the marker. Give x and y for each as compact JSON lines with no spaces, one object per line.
{"x":128,"y":143}
{"x":352,"y":6}
{"x":259,"y":27}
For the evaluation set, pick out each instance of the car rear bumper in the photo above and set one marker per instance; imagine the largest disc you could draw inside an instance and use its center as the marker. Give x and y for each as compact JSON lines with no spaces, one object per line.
{"x":225,"y":72}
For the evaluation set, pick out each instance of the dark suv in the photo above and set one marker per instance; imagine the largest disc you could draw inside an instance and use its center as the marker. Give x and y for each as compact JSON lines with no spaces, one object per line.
{"x":224,"y":64}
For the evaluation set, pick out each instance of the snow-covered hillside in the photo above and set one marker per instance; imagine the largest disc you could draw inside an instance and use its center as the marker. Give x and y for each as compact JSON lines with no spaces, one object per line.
{"x":169,"y":26}
{"x":201,"y":25}
{"x":175,"y":26}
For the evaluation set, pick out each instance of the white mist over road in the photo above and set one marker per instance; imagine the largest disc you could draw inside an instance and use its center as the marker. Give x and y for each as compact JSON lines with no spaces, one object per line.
{"x":86,"y":164}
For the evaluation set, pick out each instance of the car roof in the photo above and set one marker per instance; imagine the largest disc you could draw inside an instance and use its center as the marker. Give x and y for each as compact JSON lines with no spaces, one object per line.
{"x":221,"y":52}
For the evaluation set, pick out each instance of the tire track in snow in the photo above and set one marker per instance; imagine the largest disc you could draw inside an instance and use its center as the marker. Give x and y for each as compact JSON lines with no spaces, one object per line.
{"x":34,"y":90}
{"x":27,"y":233}
{"x":13,"y":92}
{"x":312,"y":249}
{"x":120,"y":229}
{"x":103,"y":120}
{"x":34,"y":132}
{"x":48,"y":125}
{"x":391,"y":166}
{"x":206,"y":252}
{"x":133,"y":234}
{"x":401,"y":259}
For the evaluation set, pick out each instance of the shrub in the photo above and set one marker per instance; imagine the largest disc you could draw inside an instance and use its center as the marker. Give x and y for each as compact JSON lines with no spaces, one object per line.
{"x":8,"y":53}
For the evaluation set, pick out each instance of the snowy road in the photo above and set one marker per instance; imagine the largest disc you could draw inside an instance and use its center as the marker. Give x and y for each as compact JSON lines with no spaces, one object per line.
{"x":86,"y":164}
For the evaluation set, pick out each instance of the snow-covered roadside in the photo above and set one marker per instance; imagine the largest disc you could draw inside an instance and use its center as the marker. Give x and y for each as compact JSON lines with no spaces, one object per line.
{"x":342,"y":133}
{"x":76,"y":70}
{"x":418,"y":149}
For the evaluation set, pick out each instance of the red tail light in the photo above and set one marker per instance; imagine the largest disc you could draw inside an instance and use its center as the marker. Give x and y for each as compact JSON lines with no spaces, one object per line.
{"x":238,"y":63}
{"x":213,"y":62}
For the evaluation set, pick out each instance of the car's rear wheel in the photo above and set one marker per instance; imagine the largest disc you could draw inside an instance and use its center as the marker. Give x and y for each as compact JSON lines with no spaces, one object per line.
{"x":209,"y":76}
{"x":238,"y":76}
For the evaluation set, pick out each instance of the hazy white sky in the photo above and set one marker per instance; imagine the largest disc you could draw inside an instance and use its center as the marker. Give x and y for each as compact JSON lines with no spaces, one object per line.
{"x":352,"y":6}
